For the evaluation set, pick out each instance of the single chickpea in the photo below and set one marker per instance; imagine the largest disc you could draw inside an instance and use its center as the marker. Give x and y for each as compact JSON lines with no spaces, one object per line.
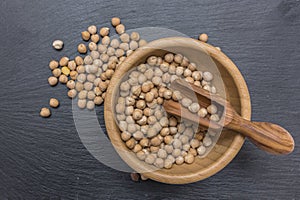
{"x":138,"y":135}
{"x":177,"y":144}
{"x":45,"y":112}
{"x":54,"y":103}
{"x":72,"y":93}
{"x":95,"y":38}
{"x":120,"y":29}
{"x":203,"y":37}
{"x":63,"y":79}
{"x":98,"y":100}
{"x":125,"y":38}
{"x":82,"y":48}
{"x":165,"y":131}
{"x":207,"y":76}
{"x":202,"y":112}
{"x":176,"y":153}
{"x":105,"y":40}
{"x":81,"y":103}
{"x":149,"y":97}
{"x":130,"y":143}
{"x":141,"y":155}
{"x":93,"y":46}
{"x":187,"y":73}
{"x":150,"y":159}
{"x":144,"y":142}
{"x":197,"y":83}
{"x":168,"y":94}
{"x":104,"y":31}
{"x":52,"y":80}
{"x":58,"y":44}
{"x":186,"y":102}
{"x":78,"y":86}
{"x":152,"y":60}
{"x":212,"y":109}
{"x":137,"y":148}
{"x":194,"y":107}
{"x":214,"y":117}
{"x":207,"y":141}
{"x":168,"y":139}
{"x":140,"y":104}
{"x":115,"y":21}
{"x":135,"y":36}
{"x":53,"y":64}
{"x":90,"y":105}
{"x":92,"y":29}
{"x":155,"y":141}
{"x":201,"y":150}
{"x":137,"y":114}
{"x":142,"y":43}
{"x":85,"y":35}
{"x":133,"y":45}
{"x":189,"y":158}
{"x":169,"y":57}
{"x":178,"y":58}
{"x":179,"y":160}
{"x":176,"y":96}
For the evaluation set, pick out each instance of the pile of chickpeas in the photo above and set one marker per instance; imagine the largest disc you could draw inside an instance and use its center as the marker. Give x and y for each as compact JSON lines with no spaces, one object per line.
{"x":87,"y":77}
{"x":156,"y":137}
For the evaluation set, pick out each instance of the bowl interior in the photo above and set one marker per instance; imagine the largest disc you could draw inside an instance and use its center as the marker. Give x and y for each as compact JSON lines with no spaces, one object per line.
{"x":230,"y":85}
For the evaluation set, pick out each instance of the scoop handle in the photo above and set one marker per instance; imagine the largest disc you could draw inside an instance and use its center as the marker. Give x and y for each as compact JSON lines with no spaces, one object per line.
{"x":269,"y":137}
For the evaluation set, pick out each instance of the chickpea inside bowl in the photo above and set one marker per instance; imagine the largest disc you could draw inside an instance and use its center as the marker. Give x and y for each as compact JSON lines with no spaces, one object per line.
{"x":231,"y":86}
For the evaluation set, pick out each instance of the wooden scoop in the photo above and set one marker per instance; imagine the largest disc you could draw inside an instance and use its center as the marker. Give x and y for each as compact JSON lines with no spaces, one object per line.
{"x":267,"y":136}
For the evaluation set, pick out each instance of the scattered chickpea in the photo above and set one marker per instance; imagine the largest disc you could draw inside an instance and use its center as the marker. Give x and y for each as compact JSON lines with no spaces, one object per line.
{"x":115,"y":21}
{"x":92,"y":29}
{"x":104,"y":31}
{"x":120,"y":28}
{"x":212,"y":109}
{"x":72,"y":93}
{"x":194,"y":107}
{"x":135,"y":36}
{"x":45,"y":112}
{"x":64,"y":61}
{"x":85,"y":35}
{"x":82,"y":48}
{"x":58,"y":44}
{"x":53,"y":64}
{"x":95,"y":38}
{"x":65,"y":70}
{"x":56,"y":72}
{"x":202,"y":112}
{"x":189,"y":158}
{"x":52,"y":80}
{"x":203,"y":37}
{"x":54,"y":103}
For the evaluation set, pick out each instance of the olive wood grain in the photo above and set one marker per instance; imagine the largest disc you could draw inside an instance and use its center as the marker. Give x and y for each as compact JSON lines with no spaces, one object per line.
{"x":267,"y":136}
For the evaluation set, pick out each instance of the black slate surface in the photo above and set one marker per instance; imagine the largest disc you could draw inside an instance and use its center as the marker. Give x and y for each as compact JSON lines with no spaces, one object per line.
{"x":44,"y":159}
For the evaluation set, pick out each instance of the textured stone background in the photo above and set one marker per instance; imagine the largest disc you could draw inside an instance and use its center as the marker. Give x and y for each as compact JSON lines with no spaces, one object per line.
{"x":44,"y":159}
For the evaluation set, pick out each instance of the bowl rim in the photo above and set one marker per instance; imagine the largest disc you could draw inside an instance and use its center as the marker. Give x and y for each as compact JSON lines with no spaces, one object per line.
{"x":238,"y":140}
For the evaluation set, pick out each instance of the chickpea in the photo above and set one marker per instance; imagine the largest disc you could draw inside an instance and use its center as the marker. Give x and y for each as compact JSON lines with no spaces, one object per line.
{"x":72,"y":93}
{"x":54,"y":103}
{"x":104,"y":31}
{"x":95,"y":38}
{"x":45,"y":112}
{"x":85,"y":35}
{"x":115,"y":21}
{"x":203,"y":37}
{"x":52,"y":80}
{"x":120,"y":29}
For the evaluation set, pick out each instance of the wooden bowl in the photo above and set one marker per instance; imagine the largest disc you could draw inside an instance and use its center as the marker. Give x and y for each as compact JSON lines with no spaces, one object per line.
{"x":229,"y":142}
